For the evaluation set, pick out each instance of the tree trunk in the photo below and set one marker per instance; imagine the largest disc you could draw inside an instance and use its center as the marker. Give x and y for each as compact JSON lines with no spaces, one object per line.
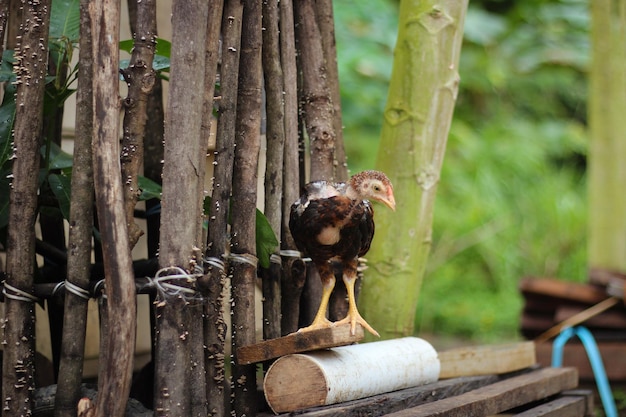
{"x":81,"y":220}
{"x":116,"y":362}
{"x":18,"y":368}
{"x":607,"y":146}
{"x":422,"y":93}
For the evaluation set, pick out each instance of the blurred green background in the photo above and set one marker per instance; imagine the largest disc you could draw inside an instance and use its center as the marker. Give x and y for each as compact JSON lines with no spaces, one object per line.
{"x":512,"y":197}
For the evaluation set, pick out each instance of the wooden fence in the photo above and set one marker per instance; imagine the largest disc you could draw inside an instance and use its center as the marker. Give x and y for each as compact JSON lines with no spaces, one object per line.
{"x":266,"y":69}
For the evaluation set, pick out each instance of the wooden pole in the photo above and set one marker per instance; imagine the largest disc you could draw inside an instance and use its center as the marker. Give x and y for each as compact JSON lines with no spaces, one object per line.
{"x":80,"y":234}
{"x":211,"y":284}
{"x":243,"y":242}
{"x":275,"y":137}
{"x":140,"y":78}
{"x":180,"y":370}
{"x":293,"y":269}
{"x":417,"y":118}
{"x":18,"y":365}
{"x":116,"y":363}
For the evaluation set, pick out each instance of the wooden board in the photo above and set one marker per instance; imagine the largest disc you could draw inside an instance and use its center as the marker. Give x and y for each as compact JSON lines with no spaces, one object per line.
{"x":501,"y":396}
{"x":612,"y":353}
{"x":485,"y":360}
{"x":378,"y":405}
{"x":562,"y":406}
{"x":298,"y":343}
{"x":569,"y":291}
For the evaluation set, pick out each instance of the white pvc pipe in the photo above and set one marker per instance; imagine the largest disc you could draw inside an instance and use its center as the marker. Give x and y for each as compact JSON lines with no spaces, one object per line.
{"x":350,"y":372}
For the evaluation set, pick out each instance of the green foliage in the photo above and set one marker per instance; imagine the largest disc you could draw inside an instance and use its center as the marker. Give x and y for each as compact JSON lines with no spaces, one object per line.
{"x":512,"y":199}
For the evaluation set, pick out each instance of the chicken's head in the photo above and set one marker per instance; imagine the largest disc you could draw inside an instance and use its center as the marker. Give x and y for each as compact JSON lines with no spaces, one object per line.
{"x":372,"y":185}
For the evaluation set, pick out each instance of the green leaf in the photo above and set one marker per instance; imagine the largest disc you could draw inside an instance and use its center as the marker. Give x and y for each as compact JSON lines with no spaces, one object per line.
{"x":7,"y":118}
{"x":5,"y":188}
{"x":61,"y":186}
{"x":6,"y":68}
{"x":65,"y":20}
{"x":163,"y":47}
{"x":149,"y":189}
{"x":266,"y":242}
{"x":59,"y":159}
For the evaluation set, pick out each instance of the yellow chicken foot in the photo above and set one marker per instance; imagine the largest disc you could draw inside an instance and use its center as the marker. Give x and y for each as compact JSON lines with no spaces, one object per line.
{"x":354,"y":316}
{"x":320,"y":321}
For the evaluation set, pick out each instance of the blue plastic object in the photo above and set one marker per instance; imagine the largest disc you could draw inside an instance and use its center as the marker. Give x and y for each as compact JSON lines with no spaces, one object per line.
{"x":595,"y":360}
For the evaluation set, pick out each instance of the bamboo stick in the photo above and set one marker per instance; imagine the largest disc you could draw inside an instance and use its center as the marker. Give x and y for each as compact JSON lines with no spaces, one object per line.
{"x":19,"y":314}
{"x":119,"y":338}
{"x":243,"y":256}
{"x":81,"y":218}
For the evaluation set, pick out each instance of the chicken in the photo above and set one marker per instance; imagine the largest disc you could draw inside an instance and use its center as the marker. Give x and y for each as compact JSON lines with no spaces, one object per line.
{"x":335,"y":222}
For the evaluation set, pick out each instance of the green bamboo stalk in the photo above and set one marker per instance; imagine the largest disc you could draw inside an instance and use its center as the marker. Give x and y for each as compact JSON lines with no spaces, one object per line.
{"x":422,"y":93}
{"x":607,"y":147}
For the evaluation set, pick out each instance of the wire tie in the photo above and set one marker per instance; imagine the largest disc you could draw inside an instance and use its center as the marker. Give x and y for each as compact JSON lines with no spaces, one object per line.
{"x":76,"y":290}
{"x":244,"y":258}
{"x":215,"y":262}
{"x":17,"y":294}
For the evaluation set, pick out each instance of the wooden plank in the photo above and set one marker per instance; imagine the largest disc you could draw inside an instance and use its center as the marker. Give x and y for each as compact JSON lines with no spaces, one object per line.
{"x":614,"y":318}
{"x":297,"y":343}
{"x":574,"y":355}
{"x":501,"y":396}
{"x":573,"y":403}
{"x":570,"y":291}
{"x":559,"y":407}
{"x":485,"y":360}
{"x":378,"y":405}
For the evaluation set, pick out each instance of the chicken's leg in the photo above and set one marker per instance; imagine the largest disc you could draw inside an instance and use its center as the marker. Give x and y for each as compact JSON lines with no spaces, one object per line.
{"x":353,"y":317}
{"x":328,"y":283}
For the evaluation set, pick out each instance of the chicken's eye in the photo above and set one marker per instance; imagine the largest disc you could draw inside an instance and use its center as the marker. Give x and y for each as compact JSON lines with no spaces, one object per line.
{"x":376,"y":188}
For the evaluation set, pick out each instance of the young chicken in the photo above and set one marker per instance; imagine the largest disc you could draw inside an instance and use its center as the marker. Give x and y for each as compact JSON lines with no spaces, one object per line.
{"x":335,"y":222}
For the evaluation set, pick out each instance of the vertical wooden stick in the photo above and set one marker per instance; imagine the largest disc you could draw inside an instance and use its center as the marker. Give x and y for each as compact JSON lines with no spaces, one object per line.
{"x":19,"y":321}
{"x":243,"y":256}
{"x":117,"y":360}
{"x":179,"y":359}
{"x":275,"y":137}
{"x":81,"y":220}
{"x":293,"y":271}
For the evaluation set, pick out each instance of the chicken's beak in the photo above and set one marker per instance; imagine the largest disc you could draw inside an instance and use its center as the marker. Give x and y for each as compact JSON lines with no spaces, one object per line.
{"x":389,"y":201}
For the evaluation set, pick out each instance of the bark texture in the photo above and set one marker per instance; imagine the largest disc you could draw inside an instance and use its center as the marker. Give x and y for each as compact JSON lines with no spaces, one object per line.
{"x":118,"y":337}
{"x":80,"y":232}
{"x":243,"y":256}
{"x":18,"y":325}
{"x":180,"y":371}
